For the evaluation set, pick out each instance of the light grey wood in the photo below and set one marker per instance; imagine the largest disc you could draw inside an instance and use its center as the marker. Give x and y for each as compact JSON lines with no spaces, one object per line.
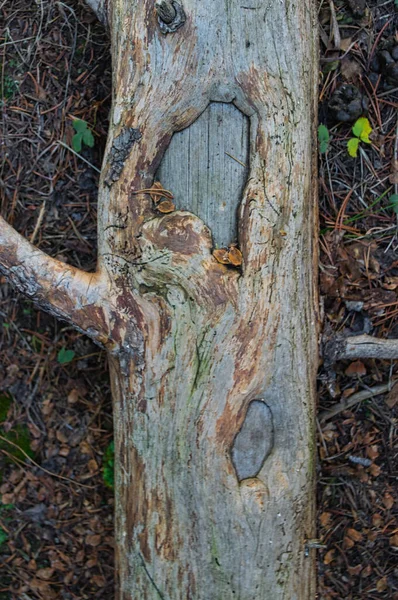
{"x":361,"y":346}
{"x":254,"y":442}
{"x":201,"y":168}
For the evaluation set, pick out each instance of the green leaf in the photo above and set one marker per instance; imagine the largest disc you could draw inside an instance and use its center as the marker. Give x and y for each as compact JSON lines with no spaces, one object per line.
{"x":3,"y":536}
{"x":394,"y":200}
{"x":109,"y":466}
{"x":323,"y":138}
{"x":88,"y":138}
{"x":79,"y":125}
{"x":352,"y":147}
{"x":77,"y":142}
{"x":331,"y":66}
{"x":65,"y":356}
{"x":362,"y":129}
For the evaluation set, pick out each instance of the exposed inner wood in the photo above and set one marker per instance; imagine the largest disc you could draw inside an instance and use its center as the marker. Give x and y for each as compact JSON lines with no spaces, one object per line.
{"x":206,"y":168}
{"x":254,"y":442}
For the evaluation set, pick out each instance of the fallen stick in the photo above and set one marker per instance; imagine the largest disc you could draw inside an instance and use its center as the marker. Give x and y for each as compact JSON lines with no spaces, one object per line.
{"x":355,"y":399}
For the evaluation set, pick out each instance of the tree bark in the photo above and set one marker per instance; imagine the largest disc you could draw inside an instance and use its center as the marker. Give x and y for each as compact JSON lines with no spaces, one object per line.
{"x":212,"y":366}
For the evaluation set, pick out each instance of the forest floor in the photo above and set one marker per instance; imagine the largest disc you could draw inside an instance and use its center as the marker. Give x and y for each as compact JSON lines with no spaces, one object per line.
{"x":56,"y":499}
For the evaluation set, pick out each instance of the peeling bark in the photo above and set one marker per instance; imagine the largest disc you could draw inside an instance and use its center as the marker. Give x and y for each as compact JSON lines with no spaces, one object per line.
{"x":212,"y":367}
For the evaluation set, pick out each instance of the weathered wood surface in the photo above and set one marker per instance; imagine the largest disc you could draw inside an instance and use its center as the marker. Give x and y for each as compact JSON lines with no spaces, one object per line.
{"x":206,"y":167}
{"x":208,"y":506}
{"x":204,"y":340}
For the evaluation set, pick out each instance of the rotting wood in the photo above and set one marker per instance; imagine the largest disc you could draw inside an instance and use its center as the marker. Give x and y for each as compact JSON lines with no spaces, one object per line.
{"x":193,"y":343}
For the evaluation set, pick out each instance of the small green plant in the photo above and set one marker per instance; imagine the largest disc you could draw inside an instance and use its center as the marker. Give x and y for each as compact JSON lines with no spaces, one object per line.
{"x":3,"y":537}
{"x":8,"y":88}
{"x":83,"y":135}
{"x":65,"y":356}
{"x":16,"y":443}
{"x":109,"y":466}
{"x":323,"y":139}
{"x":361,"y":130}
{"x":394,"y":200}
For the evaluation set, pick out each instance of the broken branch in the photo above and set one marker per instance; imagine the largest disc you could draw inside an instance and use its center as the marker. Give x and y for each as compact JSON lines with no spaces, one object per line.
{"x":360,"y":346}
{"x":64,"y":291}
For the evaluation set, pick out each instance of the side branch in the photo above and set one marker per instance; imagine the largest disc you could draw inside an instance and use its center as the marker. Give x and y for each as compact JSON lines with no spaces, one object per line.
{"x":360,"y":346}
{"x":62,"y":290}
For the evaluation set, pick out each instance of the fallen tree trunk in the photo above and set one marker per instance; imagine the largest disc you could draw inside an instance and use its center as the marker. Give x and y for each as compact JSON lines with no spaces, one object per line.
{"x":212,"y":363}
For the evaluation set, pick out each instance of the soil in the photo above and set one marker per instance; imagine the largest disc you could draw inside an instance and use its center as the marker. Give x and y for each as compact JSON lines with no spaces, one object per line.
{"x":56,"y":511}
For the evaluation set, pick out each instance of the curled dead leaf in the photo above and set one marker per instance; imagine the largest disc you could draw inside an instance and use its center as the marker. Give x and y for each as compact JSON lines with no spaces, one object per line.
{"x":235,"y":256}
{"x":155,"y":193}
{"x":388,"y":500}
{"x":329,"y":557}
{"x":166,"y":206}
{"x":221,"y":256}
{"x":354,"y":534}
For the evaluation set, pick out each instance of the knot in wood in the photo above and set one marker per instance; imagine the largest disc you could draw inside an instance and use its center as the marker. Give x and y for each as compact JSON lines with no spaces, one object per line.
{"x":171,"y":15}
{"x":254,"y":442}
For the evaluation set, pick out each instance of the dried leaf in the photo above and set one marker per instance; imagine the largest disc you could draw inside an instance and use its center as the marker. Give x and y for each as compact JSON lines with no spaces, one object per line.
{"x":350,"y":69}
{"x":394,"y":540}
{"x":382,"y":584}
{"x":377,"y":520}
{"x":355,"y":571}
{"x":348,"y":542}
{"x":155,"y":197}
{"x":221,"y":256}
{"x":93,"y":540}
{"x":345,"y":43}
{"x":98,"y":580}
{"x":375,"y":470}
{"x":73,"y":397}
{"x":92,"y":466}
{"x":325,"y":519}
{"x":329,"y":557}
{"x":372,"y":452}
{"x":235,"y":256}
{"x":354,"y":535}
{"x":45,"y":573}
{"x":356,"y":368}
{"x":388,"y":500}
{"x":166,"y":206}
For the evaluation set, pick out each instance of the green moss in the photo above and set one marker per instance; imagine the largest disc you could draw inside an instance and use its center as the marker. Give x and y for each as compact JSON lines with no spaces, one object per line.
{"x":16,"y":443}
{"x":109,"y":466}
{"x":5,"y":403}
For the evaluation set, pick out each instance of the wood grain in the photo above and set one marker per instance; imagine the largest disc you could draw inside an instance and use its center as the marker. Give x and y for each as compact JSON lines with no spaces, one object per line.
{"x":206,"y":167}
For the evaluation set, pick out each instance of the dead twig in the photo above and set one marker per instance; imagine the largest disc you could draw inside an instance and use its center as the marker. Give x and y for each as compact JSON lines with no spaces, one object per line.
{"x":355,"y":399}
